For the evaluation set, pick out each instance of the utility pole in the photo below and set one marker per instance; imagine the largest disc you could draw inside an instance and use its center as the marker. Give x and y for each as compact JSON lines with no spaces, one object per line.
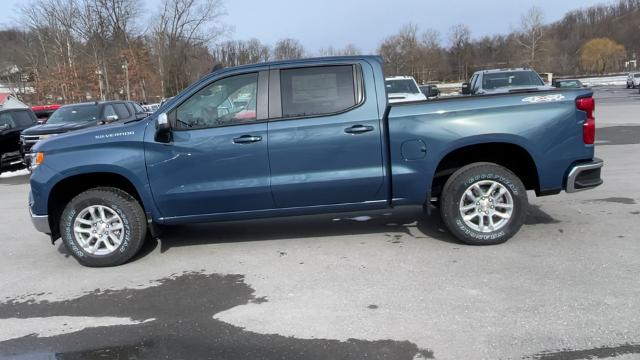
{"x":125,"y":66}
{"x":99,"y":73}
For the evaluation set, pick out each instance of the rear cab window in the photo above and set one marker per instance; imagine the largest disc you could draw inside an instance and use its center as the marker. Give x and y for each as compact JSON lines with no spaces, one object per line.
{"x":319,"y":90}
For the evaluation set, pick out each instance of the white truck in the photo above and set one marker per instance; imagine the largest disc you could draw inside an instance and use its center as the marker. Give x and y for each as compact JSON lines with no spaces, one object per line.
{"x":403,"y":89}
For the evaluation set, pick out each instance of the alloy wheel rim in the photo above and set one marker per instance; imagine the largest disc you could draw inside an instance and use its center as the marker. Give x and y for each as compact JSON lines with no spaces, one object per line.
{"x":99,"y":230}
{"x":486,"y":206}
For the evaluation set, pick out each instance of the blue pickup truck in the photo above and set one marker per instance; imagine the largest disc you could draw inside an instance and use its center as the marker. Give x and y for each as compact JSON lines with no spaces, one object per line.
{"x":305,"y":137}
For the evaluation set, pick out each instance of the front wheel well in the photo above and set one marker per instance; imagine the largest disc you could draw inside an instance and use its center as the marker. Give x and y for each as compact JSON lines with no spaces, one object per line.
{"x":511,"y":156}
{"x":68,"y":188}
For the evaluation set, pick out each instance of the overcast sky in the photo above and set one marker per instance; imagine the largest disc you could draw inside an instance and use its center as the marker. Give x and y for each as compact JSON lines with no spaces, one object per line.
{"x":365,"y":23}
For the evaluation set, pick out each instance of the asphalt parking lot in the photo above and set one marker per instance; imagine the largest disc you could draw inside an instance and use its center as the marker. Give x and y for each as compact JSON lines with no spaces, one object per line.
{"x":390,"y":284}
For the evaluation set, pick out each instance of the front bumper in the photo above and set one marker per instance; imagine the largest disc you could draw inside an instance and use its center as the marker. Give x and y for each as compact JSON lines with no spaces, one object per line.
{"x":585,"y":176}
{"x":41,"y":222}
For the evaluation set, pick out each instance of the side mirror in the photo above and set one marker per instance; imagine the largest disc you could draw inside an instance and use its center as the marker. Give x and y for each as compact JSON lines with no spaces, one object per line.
{"x":466,"y":89}
{"x":111,"y":118}
{"x":4,"y":127}
{"x":163,"y":129}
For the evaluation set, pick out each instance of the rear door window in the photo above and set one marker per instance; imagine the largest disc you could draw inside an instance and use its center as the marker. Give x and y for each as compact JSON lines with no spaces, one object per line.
{"x":317,"y":90}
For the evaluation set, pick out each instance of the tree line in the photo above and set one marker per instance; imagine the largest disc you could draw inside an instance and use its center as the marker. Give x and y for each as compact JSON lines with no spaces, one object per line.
{"x":77,"y":50}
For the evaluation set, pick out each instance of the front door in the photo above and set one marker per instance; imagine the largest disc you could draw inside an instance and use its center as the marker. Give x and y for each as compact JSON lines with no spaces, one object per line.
{"x":325,"y":148}
{"x":217,"y":161}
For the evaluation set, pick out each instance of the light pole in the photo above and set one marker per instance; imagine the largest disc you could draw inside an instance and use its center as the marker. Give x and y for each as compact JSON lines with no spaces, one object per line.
{"x":125,"y":66}
{"x":99,"y":73}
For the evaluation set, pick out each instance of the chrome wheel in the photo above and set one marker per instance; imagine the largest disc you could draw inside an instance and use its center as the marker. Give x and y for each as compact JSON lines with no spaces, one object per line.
{"x":486,"y":206}
{"x":99,"y":230}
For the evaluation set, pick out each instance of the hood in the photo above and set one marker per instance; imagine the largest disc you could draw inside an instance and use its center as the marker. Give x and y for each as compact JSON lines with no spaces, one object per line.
{"x":94,"y":136}
{"x":58,"y":128}
{"x":404,"y":97}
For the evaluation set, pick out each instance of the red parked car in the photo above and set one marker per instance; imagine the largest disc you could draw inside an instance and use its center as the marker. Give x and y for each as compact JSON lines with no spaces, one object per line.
{"x":44,"y":111}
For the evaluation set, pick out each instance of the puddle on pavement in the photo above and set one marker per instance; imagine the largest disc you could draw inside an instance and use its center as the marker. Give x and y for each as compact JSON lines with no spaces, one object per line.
{"x":182,"y":309}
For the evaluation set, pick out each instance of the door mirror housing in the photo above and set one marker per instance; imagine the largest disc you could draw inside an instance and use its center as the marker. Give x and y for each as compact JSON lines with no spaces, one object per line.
{"x":4,"y":127}
{"x":466,"y":89}
{"x":111,"y":118}
{"x":163,"y":129}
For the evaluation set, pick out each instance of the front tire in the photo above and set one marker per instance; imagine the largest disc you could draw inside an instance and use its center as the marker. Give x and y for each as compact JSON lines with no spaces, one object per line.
{"x":103,"y":227}
{"x":484,"y":204}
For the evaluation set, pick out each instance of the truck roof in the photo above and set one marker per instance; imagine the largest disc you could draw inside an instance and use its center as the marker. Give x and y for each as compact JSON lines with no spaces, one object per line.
{"x":87,"y":103}
{"x":489,"y":71}
{"x":304,"y":61}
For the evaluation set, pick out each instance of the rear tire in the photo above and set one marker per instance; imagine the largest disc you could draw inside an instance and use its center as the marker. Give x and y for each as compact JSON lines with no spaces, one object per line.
{"x":103,"y":227}
{"x":484,"y":204}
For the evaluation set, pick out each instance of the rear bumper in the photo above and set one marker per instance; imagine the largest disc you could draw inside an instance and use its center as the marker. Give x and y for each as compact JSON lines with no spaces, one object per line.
{"x":40,"y":222}
{"x":585,"y":176}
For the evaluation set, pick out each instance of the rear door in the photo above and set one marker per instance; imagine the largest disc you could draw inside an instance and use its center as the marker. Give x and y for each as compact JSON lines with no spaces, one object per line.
{"x":217,"y":161}
{"x":324,"y":136}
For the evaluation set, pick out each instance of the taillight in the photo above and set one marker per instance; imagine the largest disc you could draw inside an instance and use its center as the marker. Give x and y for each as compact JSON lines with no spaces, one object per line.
{"x":588,"y":105}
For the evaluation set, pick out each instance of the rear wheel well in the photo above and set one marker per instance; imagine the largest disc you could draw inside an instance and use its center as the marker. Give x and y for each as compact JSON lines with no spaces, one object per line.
{"x":512,"y":157}
{"x":68,"y":188}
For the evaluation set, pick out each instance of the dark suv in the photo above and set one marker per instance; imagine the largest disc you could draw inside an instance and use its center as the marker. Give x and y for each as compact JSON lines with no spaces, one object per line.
{"x":12,"y":122}
{"x":79,"y":116}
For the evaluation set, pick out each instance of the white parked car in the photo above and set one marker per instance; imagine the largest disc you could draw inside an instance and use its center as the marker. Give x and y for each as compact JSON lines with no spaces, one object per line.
{"x":632,"y":80}
{"x":403,"y":89}
{"x":636,"y":80}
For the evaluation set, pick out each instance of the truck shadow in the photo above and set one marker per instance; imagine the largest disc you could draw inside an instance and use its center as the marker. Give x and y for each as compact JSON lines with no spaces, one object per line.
{"x":408,"y":221}
{"x":398,"y":221}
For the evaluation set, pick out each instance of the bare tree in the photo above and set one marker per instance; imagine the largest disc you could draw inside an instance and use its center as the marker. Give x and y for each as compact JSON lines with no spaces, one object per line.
{"x":348,"y":50}
{"x":288,"y":49}
{"x":531,"y":35}
{"x":460,"y":42}
{"x":233,"y":53}
{"x":183,"y":31}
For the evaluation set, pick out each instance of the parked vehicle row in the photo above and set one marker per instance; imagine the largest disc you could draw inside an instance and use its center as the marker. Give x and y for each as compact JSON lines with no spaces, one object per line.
{"x":79,"y":116}
{"x":305,"y":137}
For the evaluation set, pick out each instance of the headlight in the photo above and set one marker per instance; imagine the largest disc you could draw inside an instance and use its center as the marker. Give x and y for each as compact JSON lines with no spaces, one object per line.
{"x":37,"y":159}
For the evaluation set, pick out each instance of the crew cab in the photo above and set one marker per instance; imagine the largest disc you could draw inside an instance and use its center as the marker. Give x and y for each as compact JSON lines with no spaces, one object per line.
{"x":78,"y":116}
{"x":305,"y":137}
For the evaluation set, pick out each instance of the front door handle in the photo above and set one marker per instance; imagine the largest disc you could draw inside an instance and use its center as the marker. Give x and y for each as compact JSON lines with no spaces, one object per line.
{"x":358,"y":129}
{"x":247,"y":139}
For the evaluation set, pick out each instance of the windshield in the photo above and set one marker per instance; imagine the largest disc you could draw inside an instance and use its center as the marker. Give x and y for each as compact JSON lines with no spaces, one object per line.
{"x":74,"y":114}
{"x":510,"y":79}
{"x":402,"y":86}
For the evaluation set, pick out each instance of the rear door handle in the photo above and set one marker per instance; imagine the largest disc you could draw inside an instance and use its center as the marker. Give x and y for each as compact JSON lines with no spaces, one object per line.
{"x":247,"y":139}
{"x":358,"y":129}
